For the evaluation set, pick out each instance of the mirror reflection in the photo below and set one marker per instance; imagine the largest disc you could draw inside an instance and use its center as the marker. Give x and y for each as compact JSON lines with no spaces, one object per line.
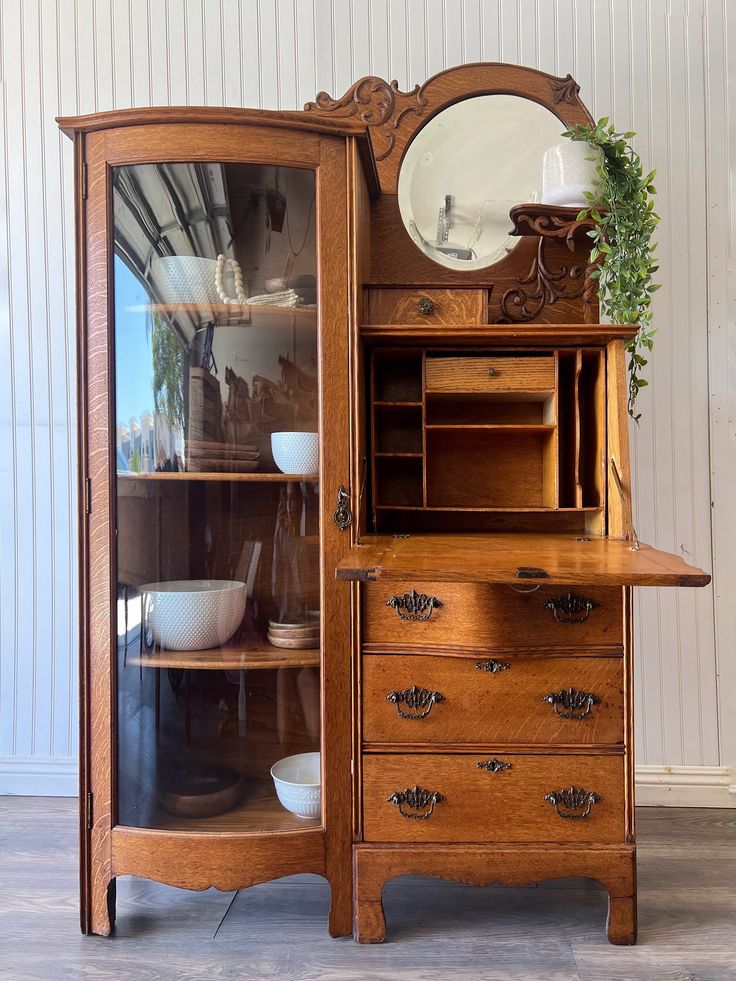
{"x":466,"y":169}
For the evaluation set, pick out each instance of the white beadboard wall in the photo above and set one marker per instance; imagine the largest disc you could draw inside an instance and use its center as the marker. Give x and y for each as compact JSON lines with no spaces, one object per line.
{"x":664,"y":68}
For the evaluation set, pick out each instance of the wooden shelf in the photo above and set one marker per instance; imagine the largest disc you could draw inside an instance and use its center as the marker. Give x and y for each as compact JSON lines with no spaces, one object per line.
{"x":529,"y":333}
{"x":408,"y":456}
{"x":495,"y":427}
{"x":480,"y":510}
{"x":266,"y":478}
{"x":399,"y":405}
{"x":259,"y":811}
{"x":256,"y":655}
{"x":231,"y":314}
{"x":550,"y":221}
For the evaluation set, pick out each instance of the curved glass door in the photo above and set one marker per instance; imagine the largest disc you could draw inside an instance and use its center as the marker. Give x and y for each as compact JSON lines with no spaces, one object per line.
{"x":217,"y":459}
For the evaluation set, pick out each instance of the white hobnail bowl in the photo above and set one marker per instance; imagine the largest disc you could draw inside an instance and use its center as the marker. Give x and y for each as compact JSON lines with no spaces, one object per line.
{"x":298,"y":784}
{"x":296,"y":452}
{"x":189,"y":279}
{"x":193,"y":614}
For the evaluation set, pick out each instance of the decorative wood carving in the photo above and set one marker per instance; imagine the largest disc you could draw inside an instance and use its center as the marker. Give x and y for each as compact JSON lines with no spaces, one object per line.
{"x":377,"y":103}
{"x":565,"y":89}
{"x":545,"y":285}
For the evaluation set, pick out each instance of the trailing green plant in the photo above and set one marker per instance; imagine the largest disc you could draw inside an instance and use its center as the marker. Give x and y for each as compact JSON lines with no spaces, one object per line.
{"x":623,"y":211}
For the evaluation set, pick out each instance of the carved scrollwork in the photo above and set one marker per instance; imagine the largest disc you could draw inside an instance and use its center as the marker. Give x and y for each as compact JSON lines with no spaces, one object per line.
{"x":544,"y":285}
{"x":552,"y":226}
{"x":378,"y":104}
{"x":565,"y":89}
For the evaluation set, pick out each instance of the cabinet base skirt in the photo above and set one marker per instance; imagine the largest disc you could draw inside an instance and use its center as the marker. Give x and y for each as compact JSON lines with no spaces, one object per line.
{"x":483,"y":865}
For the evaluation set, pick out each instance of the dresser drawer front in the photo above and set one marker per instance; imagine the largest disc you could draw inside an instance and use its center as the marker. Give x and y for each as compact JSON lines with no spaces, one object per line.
{"x":535,"y":699}
{"x":440,"y":307}
{"x":466,"y":376}
{"x":421,"y":615}
{"x":449,"y":798}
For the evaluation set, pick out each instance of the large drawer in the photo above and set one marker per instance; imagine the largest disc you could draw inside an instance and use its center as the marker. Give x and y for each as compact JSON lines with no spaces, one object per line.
{"x":447,"y":308}
{"x":533,"y":699}
{"x":493,"y":797}
{"x":419,"y":615}
{"x":468,"y":376}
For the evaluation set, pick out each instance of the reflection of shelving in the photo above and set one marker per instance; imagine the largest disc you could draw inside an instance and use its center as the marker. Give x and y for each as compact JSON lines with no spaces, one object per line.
{"x":258,"y":655}
{"x":274,"y":478}
{"x":232,"y":314}
{"x":259,"y":811}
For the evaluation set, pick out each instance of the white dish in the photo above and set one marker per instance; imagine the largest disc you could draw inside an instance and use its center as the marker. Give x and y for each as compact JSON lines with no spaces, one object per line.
{"x":193,"y":614}
{"x":296,"y":452}
{"x":298,"y":783}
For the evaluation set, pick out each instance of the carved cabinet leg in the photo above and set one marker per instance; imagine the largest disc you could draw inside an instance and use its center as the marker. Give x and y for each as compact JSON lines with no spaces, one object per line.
{"x":369,"y":922}
{"x":621,"y":923}
{"x":102,"y":907}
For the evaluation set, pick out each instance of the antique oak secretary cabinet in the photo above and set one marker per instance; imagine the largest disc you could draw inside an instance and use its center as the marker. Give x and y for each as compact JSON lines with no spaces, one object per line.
{"x":436,"y":607}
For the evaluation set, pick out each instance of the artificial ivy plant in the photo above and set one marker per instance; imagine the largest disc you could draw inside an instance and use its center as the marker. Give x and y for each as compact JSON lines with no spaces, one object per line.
{"x":622,"y":208}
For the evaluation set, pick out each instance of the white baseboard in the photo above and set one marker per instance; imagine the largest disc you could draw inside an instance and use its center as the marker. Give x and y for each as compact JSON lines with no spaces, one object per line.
{"x":684,"y":786}
{"x":39,"y":776}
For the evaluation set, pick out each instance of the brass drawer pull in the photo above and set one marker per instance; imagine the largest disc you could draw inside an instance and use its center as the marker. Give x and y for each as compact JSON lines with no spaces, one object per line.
{"x":492,"y":372}
{"x":342,"y":515}
{"x":572,"y":802}
{"x":422,"y":802}
{"x":493,"y":766}
{"x":426,"y":306}
{"x":570,"y":608}
{"x":571,"y":704}
{"x":419,"y":700}
{"x":492,"y":667}
{"x":414,"y":605}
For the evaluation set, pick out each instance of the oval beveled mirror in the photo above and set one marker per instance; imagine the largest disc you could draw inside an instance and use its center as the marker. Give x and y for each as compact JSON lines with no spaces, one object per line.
{"x":466,"y":169}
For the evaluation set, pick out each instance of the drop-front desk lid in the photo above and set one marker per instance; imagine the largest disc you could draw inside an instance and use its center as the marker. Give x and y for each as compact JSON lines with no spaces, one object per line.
{"x":509,"y":557}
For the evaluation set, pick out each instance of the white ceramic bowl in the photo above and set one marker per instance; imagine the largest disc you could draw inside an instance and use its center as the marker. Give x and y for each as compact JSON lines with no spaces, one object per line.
{"x":298,"y":784}
{"x":193,"y":614}
{"x":186,"y":279}
{"x":296,"y":452}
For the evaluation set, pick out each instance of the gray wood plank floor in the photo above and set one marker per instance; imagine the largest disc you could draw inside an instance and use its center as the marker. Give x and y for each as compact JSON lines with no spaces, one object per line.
{"x":687,"y":914}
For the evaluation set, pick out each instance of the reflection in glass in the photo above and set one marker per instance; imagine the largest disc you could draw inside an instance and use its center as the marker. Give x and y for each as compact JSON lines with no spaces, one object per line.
{"x":217,"y":459}
{"x":465,"y":170}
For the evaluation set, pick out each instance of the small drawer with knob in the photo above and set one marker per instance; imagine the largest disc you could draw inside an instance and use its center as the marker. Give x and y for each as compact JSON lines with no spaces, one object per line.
{"x":442,"y":308}
{"x":410,"y":699}
{"x":494,"y":796}
{"x":532,"y":374}
{"x":409,"y":616}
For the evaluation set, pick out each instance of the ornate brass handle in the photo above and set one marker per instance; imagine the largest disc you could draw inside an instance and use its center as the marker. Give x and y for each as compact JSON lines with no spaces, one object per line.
{"x":426,"y":306}
{"x":342,"y":515}
{"x":492,"y":667}
{"x":414,"y":605}
{"x":493,"y":766}
{"x":571,"y":704}
{"x":421,"y":801}
{"x":418,"y":699}
{"x":570,"y":608}
{"x":572,"y":802}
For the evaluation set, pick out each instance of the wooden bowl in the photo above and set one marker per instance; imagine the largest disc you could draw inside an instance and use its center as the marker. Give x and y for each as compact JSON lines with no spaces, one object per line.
{"x":291,"y":643}
{"x":200,"y":792}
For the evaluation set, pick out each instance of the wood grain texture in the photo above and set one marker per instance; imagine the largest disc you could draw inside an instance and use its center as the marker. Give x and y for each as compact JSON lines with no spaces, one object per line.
{"x":480,"y":707}
{"x":499,"y":374}
{"x":613,"y":866}
{"x":498,"y":558}
{"x":442,"y":308}
{"x":479,"y":806}
{"x":483,"y":617}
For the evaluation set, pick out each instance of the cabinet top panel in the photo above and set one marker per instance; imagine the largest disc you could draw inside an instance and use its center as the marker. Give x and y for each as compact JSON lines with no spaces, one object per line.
{"x":522,"y":558}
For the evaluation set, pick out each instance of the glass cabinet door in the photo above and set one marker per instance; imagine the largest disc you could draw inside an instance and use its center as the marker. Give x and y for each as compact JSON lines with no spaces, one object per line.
{"x":217,"y":437}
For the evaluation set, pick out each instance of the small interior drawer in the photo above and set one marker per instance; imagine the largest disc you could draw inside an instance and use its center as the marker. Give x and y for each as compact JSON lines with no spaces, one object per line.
{"x":493,"y":797}
{"x":530,"y":699}
{"x":466,"y":375}
{"x":407,"y":616}
{"x":447,"y":308}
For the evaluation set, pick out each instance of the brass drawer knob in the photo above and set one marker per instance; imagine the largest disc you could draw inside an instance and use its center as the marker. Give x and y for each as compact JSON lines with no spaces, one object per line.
{"x":418,"y":700}
{"x":570,"y":608}
{"x":572,"y":802}
{"x":493,"y":766}
{"x":426,"y":306}
{"x":420,"y":802}
{"x":571,"y":703}
{"x":414,"y":605}
{"x":492,"y":667}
